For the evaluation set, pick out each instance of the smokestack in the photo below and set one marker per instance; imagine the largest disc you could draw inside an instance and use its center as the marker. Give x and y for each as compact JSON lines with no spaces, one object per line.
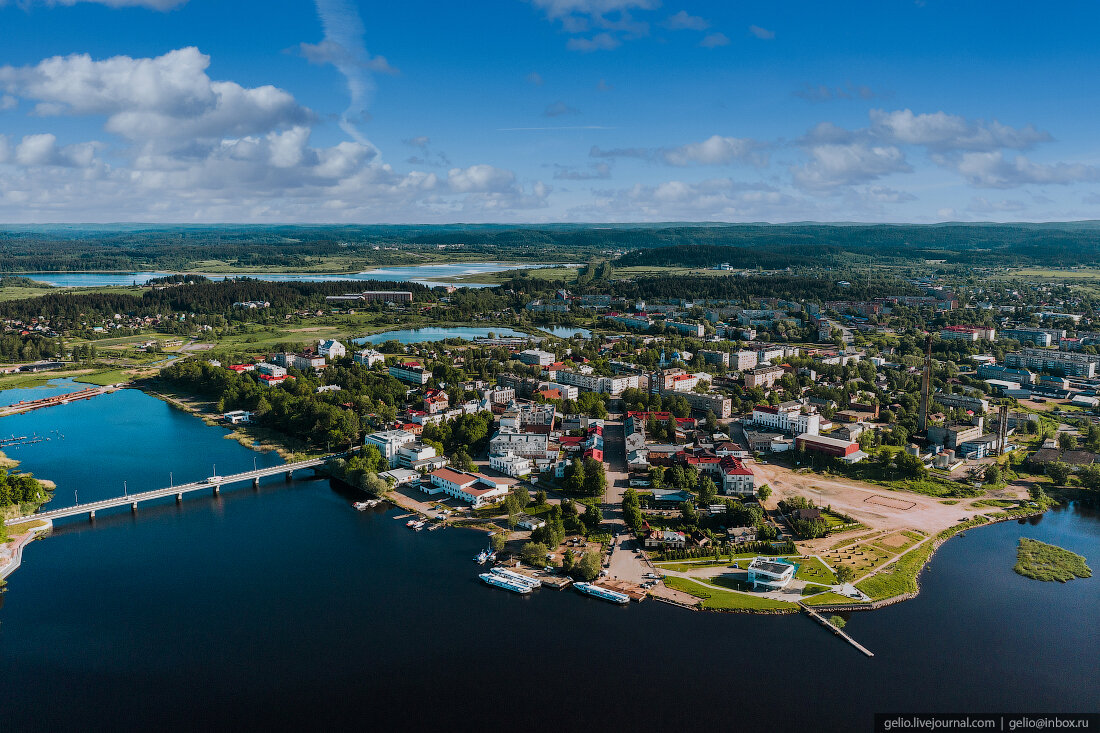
{"x":925,"y":386}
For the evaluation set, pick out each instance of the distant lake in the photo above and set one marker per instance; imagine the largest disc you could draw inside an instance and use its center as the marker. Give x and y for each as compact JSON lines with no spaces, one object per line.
{"x":416,"y":335}
{"x":566,"y":332}
{"x":412,"y":273}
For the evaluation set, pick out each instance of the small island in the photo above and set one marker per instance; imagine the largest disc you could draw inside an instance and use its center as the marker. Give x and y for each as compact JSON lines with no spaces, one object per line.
{"x":1040,"y":561}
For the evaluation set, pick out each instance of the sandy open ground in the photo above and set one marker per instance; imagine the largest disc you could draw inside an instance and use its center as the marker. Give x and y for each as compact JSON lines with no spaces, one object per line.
{"x":876,"y":506}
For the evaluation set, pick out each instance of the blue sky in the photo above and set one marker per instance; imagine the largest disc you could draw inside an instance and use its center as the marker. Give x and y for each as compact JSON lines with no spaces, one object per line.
{"x":547,"y":110}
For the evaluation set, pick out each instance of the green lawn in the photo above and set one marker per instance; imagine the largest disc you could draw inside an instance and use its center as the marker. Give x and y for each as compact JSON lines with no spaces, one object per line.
{"x":103,"y":378}
{"x":1041,"y":561}
{"x":813,"y":570}
{"x":718,"y":600}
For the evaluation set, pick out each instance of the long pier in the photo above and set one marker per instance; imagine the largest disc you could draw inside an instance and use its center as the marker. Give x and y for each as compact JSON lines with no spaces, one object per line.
{"x":839,"y":632}
{"x":61,"y":399}
{"x":213,"y":484}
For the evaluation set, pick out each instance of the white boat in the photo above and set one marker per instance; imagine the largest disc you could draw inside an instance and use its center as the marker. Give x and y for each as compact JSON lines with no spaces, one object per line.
{"x":498,"y":582}
{"x":481,"y":557}
{"x":602,"y":593}
{"x":364,"y":505}
{"x":517,"y":577}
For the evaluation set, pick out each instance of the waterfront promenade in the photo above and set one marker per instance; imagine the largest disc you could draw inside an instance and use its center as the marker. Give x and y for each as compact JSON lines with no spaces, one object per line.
{"x":213,"y":483}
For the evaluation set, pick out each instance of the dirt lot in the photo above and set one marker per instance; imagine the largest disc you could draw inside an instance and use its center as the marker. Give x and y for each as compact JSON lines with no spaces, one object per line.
{"x":875,"y":506}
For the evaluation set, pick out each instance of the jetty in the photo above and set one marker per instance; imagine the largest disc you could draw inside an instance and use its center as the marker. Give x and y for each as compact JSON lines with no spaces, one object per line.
{"x":62,"y":399}
{"x":839,"y":632}
{"x":213,"y":484}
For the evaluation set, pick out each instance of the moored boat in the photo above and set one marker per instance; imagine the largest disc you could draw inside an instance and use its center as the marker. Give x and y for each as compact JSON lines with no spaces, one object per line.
{"x":500,"y":582}
{"x":602,"y":593}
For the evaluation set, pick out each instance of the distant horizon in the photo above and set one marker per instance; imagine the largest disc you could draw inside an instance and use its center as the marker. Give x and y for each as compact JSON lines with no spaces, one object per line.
{"x":538,"y":225}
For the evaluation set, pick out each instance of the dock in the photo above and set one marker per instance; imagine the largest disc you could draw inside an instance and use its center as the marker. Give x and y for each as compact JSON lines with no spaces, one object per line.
{"x":839,"y":632}
{"x":62,"y":399}
{"x":632,"y":590}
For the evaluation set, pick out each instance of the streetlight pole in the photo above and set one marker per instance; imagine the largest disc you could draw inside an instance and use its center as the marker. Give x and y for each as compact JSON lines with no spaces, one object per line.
{"x":125,"y":491}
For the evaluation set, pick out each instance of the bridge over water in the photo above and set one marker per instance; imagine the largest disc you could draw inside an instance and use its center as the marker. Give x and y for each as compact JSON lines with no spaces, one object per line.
{"x":214,"y":484}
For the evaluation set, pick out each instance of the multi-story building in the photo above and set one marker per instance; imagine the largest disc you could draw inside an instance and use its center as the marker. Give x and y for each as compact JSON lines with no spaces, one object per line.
{"x":995,"y":371}
{"x":436,"y":400}
{"x":511,"y":465}
{"x":388,"y":442}
{"x":1040,"y":337}
{"x":639,"y":321}
{"x":528,"y":445}
{"x":1069,"y":364}
{"x":689,"y":329}
{"x":529,"y":418}
{"x":411,"y":372}
{"x":613,"y":386}
{"x":374,"y":296}
{"x":368,"y":357}
{"x":968,"y":333}
{"x":743,"y":360}
{"x":719,"y":358}
{"x":331,"y":349}
{"x":719,"y":404}
{"x":788,"y":418}
{"x":764,"y":376}
{"x":737,"y":479}
{"x":536,"y":357}
{"x":964,"y":402}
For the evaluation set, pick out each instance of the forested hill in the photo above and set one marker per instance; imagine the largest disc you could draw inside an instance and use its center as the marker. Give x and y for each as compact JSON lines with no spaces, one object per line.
{"x":190,"y":248}
{"x":708,"y":255}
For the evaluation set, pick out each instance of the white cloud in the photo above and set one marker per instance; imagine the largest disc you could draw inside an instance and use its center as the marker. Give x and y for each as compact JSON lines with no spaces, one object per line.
{"x":994,"y":170}
{"x":557,"y":9}
{"x":762,"y":33}
{"x":161,"y":5}
{"x":169,"y":97}
{"x":714,"y":40}
{"x":682,"y":21}
{"x":610,"y":21}
{"x":982,"y":205}
{"x":715,"y":150}
{"x":833,"y":165}
{"x":8,"y":102}
{"x":942,"y":131}
{"x":41,"y":149}
{"x":887,"y":195}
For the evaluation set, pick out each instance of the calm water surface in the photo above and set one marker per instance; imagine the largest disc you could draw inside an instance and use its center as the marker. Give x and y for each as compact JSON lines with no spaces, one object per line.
{"x":414,"y":273}
{"x":283,"y":608}
{"x":436,"y":333}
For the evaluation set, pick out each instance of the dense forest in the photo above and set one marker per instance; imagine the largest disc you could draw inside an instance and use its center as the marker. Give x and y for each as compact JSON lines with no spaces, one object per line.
{"x":76,"y":248}
{"x":203,"y":296}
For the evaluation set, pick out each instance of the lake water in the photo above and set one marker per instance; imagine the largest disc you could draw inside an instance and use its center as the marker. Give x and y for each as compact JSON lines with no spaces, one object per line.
{"x":436,"y":333}
{"x":283,"y":608}
{"x":566,"y":332}
{"x":414,"y":273}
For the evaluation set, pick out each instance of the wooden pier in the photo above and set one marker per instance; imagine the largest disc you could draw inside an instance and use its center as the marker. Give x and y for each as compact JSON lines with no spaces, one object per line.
{"x":839,"y":632}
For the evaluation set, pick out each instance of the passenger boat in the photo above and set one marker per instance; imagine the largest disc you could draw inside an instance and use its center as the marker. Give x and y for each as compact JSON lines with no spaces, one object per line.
{"x":499,"y":582}
{"x":481,"y":557}
{"x":517,"y":577}
{"x":602,"y":593}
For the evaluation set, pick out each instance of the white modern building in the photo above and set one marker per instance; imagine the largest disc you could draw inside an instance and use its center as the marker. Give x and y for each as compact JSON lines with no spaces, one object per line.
{"x":389,"y":442}
{"x":511,"y":465}
{"x":472,"y":488}
{"x":786,"y":418}
{"x":769,"y":574}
